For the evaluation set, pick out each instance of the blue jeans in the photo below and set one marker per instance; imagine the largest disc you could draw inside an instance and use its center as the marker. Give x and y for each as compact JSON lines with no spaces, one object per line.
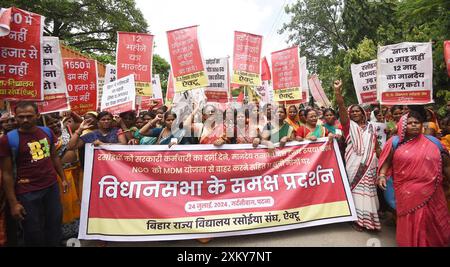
{"x":42,"y":224}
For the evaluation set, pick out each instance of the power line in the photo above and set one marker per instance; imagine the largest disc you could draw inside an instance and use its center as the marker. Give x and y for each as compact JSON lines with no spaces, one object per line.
{"x":277,"y":20}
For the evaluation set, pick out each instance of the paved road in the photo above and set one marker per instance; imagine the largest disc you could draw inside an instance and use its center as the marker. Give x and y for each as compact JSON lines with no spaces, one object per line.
{"x":332,"y":235}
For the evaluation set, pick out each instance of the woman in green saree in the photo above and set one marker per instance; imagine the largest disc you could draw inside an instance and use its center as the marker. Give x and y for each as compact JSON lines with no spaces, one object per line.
{"x":311,"y":130}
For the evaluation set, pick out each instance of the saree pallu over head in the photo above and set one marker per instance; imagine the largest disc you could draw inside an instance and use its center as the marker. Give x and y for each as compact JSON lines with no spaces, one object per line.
{"x":356,"y":133}
{"x":416,"y":169}
{"x":434,"y":120}
{"x":293,"y":123}
{"x":360,"y":151}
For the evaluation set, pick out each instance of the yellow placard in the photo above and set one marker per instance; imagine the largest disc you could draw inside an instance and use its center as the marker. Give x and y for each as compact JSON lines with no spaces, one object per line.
{"x":143,"y":88}
{"x":287,"y":94}
{"x":191,"y":81}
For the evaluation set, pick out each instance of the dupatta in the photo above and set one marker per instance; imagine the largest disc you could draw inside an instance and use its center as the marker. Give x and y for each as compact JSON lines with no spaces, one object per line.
{"x":416,"y":169}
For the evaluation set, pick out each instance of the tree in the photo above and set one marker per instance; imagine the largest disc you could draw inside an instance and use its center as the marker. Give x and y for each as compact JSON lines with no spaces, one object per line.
{"x":89,"y":25}
{"x":362,"y":18}
{"x":317,"y":27}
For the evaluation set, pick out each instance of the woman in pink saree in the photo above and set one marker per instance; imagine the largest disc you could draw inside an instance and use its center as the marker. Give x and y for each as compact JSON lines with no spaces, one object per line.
{"x":418,"y":167}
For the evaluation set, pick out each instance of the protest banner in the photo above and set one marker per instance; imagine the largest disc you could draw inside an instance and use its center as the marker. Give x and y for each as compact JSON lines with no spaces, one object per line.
{"x":219,"y":80}
{"x":447,"y":55}
{"x":56,"y":97}
{"x":21,"y":56}
{"x":119,"y":96}
{"x":186,"y":59}
{"x":405,"y":74}
{"x":317,"y":92}
{"x":365,"y":81}
{"x":247,"y":59}
{"x":81,"y":79}
{"x":149,"y":193}
{"x":286,"y":75}
{"x":135,"y":56}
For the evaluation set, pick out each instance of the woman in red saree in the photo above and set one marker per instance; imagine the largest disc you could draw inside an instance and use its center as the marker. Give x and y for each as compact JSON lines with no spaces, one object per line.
{"x":418,"y":168}
{"x":311,"y":130}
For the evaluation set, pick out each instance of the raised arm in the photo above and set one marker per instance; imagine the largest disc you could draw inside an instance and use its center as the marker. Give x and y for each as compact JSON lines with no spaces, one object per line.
{"x":343,"y":114}
{"x":145,"y":130}
{"x":75,"y":141}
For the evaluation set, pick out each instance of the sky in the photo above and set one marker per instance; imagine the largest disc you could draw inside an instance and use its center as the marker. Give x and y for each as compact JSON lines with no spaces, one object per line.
{"x":217,"y":20}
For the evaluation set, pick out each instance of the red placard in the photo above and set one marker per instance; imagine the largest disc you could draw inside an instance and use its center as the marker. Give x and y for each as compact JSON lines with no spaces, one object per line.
{"x":286,"y":74}
{"x":81,"y":79}
{"x":265,"y":70}
{"x":419,"y":97}
{"x":134,"y":56}
{"x":186,"y":59}
{"x":369,"y":97}
{"x":247,"y":59}
{"x":148,"y":103}
{"x":21,"y":57}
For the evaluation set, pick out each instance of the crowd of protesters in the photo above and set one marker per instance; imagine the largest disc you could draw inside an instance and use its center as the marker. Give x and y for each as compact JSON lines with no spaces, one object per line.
{"x":42,"y":174}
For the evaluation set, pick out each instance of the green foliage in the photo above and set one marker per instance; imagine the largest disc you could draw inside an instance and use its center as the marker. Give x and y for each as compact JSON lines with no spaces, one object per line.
{"x":317,"y":27}
{"x":91,"y":26}
{"x":161,"y":67}
{"x":333,"y":34}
